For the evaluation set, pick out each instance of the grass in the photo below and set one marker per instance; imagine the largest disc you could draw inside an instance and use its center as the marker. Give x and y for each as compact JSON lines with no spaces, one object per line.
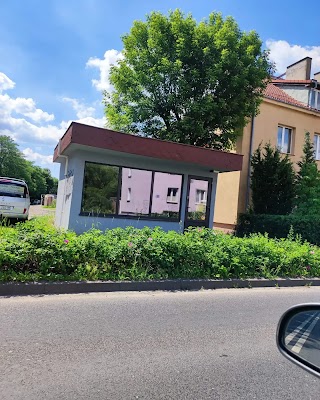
{"x":52,"y":205}
{"x":36,"y":250}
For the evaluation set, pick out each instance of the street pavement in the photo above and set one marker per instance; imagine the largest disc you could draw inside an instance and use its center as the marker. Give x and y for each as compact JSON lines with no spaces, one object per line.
{"x":156,"y":345}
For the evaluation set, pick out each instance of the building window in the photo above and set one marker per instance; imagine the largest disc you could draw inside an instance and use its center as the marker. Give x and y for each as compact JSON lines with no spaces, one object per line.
{"x":284,"y":139}
{"x":172,"y":195}
{"x":109,"y":191}
{"x":201,"y":196}
{"x":315,"y":99}
{"x":316,"y":145}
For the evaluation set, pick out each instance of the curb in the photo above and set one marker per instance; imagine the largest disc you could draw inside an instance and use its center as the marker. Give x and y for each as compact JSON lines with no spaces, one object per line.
{"x":42,"y":288}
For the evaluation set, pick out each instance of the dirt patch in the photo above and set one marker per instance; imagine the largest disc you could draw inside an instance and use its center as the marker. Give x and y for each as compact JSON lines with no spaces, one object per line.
{"x":37,"y":211}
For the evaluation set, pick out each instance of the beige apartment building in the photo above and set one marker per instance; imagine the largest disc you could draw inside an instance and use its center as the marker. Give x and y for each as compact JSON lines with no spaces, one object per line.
{"x":290,"y":108}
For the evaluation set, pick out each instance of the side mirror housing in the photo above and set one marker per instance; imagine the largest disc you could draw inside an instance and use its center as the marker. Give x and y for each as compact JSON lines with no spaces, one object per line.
{"x":298,"y":336}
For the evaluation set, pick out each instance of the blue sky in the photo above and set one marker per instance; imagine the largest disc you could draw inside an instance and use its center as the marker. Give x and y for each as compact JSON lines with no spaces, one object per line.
{"x":55,"y":56}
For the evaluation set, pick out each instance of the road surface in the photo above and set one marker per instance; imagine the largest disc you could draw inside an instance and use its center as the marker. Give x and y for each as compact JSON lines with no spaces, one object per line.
{"x":184,"y":345}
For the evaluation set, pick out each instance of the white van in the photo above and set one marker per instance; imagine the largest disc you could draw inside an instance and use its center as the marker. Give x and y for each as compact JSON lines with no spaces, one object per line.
{"x":14,"y":199}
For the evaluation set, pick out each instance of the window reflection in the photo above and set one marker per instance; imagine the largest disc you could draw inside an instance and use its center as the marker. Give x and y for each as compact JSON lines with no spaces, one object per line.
{"x":113,"y":190}
{"x":138,"y":183}
{"x":166,"y":195}
{"x":197,"y":203}
{"x":100,"y":189}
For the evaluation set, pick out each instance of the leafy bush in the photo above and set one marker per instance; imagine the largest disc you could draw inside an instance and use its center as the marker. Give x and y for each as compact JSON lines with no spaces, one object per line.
{"x":37,"y":251}
{"x":279,"y":226}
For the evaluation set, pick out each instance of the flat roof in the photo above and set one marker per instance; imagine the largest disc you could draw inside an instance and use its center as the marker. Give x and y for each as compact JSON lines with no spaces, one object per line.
{"x":107,"y":139}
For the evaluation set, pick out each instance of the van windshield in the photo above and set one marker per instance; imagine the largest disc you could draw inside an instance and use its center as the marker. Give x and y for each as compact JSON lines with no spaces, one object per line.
{"x":13,"y":189}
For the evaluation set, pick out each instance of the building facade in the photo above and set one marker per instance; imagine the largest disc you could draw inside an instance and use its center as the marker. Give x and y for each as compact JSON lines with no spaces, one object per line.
{"x":290,"y":108}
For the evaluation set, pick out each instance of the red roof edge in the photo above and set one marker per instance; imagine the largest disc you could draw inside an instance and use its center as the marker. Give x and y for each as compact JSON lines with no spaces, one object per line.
{"x":147,"y":147}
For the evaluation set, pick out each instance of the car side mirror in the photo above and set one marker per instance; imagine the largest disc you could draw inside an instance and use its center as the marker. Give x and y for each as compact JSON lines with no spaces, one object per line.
{"x":298,"y":336}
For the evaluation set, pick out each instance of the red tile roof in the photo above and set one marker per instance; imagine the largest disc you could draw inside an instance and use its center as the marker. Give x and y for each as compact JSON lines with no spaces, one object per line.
{"x":275,"y":93}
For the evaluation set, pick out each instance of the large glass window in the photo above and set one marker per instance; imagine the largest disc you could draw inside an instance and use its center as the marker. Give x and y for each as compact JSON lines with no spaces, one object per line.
{"x":166,"y":195}
{"x":100,"y":190}
{"x":113,"y":190}
{"x":284,"y":139}
{"x":137,"y":182}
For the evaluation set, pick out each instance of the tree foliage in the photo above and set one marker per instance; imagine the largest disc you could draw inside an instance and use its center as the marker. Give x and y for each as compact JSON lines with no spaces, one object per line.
{"x":272,"y":181}
{"x":189,"y":82}
{"x":14,"y":165}
{"x":12,"y":161}
{"x":307,"y":199}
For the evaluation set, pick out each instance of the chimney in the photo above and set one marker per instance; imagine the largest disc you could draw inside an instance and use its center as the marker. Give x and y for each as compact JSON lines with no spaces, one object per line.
{"x":300,"y":70}
{"x":316,"y":76}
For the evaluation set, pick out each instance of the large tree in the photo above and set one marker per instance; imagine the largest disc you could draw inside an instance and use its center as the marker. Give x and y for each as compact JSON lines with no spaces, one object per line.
{"x":272,"y":181}
{"x":189,"y":82}
{"x":12,"y":161}
{"x":14,"y":165}
{"x":307,"y":199}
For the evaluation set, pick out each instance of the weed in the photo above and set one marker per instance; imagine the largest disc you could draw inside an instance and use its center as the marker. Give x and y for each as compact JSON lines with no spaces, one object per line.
{"x":36,"y":250}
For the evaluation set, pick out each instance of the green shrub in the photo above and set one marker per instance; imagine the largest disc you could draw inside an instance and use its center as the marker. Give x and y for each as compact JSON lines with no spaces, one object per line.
{"x":279,"y":226}
{"x":37,"y":251}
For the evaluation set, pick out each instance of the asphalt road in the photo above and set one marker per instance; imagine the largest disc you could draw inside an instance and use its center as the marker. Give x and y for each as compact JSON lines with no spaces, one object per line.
{"x":185,"y":345}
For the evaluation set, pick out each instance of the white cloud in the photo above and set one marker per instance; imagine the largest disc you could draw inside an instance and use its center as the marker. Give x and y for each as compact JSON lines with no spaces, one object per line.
{"x":31,"y":127}
{"x":82,"y":111}
{"x":5,"y":82}
{"x":284,"y":54}
{"x":37,"y":158}
{"x":110,"y":58}
{"x":25,"y":123}
{"x":24,"y":131}
{"x":19,"y":105}
{"x":85,"y":114}
{"x":99,"y":122}
{"x":23,"y":106}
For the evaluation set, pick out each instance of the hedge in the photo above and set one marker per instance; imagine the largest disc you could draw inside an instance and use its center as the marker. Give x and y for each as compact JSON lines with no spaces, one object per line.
{"x":36,"y":251}
{"x":279,"y":226}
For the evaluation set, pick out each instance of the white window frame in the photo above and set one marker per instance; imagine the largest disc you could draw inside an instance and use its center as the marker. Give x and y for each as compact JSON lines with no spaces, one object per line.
{"x":201,"y":196}
{"x":316,"y":146}
{"x":316,"y":104}
{"x":171,"y":197}
{"x":281,"y":148}
{"x":129,"y":195}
